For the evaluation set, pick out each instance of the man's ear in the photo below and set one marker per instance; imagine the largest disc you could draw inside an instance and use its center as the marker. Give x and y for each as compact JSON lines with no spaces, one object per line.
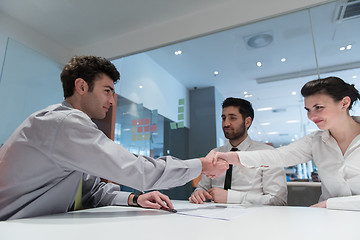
{"x":81,"y":87}
{"x":248,"y":122}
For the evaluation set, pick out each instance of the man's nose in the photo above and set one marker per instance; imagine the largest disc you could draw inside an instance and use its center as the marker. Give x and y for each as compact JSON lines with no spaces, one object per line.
{"x":112,"y":100}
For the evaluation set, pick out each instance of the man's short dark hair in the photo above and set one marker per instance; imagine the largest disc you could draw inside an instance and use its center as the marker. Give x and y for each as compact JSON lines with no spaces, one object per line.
{"x":244,"y":106}
{"x":88,"y":68}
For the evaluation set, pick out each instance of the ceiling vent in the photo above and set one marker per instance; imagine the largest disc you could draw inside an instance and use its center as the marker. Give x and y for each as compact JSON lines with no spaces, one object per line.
{"x":259,"y":40}
{"x":348,"y":10}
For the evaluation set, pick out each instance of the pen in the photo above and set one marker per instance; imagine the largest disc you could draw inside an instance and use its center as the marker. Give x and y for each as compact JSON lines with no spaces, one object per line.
{"x":169,"y":209}
{"x":220,"y":206}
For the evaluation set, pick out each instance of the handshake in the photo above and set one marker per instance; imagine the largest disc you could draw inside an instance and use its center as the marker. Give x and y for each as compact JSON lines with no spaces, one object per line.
{"x":215,"y":163}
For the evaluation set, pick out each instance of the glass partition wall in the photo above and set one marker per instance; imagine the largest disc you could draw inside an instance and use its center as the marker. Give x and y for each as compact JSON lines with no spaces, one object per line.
{"x":266,"y":62}
{"x":139,"y":129}
{"x":146,"y":132}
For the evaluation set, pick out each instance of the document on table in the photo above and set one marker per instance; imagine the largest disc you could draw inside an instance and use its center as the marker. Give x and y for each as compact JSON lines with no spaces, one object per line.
{"x":212,"y":210}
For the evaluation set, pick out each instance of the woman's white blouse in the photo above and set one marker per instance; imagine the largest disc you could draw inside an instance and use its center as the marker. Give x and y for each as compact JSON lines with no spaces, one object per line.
{"x":339,"y":174}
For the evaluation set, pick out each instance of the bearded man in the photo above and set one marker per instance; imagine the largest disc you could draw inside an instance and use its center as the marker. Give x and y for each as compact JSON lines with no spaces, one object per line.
{"x":241,"y":185}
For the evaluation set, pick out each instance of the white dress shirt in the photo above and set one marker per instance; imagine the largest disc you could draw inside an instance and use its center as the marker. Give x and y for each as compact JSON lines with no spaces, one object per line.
{"x":258,"y":186}
{"x":43,"y":161}
{"x":339,"y":174}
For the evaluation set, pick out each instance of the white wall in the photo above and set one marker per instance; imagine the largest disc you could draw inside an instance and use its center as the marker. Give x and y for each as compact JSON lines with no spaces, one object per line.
{"x":30,"y":75}
{"x":29,"y":82}
{"x":21,"y":33}
{"x":160,"y":90}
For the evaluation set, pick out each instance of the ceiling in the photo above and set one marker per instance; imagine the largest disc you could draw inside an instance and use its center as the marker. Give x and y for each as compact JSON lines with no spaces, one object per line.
{"x":82,"y":22}
{"x":77,"y":23}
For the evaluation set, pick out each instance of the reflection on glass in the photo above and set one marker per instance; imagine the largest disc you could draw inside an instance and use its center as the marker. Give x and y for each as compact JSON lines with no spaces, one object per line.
{"x":138,"y":129}
{"x":143,"y":131}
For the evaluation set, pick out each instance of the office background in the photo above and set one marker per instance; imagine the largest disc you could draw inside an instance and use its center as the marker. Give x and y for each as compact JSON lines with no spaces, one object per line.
{"x":171,"y":103}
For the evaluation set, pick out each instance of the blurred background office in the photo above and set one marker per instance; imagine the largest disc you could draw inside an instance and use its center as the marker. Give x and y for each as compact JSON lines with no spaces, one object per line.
{"x":178,"y":60}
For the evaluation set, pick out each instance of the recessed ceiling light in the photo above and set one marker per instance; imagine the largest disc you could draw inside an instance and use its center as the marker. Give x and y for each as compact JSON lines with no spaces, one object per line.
{"x":283,"y":59}
{"x":264,"y":124}
{"x":245,"y":92}
{"x":178,"y":52}
{"x":216,"y":73}
{"x":140,"y":86}
{"x":259,"y":133}
{"x":354,"y":76}
{"x":293,"y":140}
{"x":342,"y":48}
{"x":266,"y":141}
{"x":348,"y":47}
{"x":292,"y":121}
{"x":293,"y":93}
{"x":248,"y":95}
{"x":273,"y":133}
{"x":258,"y":64}
{"x":264,"y":109}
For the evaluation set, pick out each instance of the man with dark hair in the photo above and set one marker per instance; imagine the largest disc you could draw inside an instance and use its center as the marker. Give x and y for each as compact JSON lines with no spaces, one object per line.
{"x":53,"y":161}
{"x":259,"y":186}
{"x":87,"y":68}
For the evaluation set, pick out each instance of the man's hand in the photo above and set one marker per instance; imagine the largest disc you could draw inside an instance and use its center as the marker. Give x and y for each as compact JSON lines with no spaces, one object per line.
{"x":219,"y":195}
{"x":230,"y":157}
{"x":199,"y":196}
{"x":211,"y":168}
{"x":320,"y":204}
{"x":154,"y":200}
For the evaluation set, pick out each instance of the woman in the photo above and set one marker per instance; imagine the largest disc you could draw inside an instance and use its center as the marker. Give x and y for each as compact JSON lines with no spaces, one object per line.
{"x":335,"y":150}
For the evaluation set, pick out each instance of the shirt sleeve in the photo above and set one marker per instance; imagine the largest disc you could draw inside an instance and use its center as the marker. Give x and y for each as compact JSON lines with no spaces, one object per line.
{"x":274,"y":190}
{"x":97,"y":193}
{"x":290,"y":155}
{"x":205,"y":183}
{"x":344,"y":203}
{"x":80,"y":145}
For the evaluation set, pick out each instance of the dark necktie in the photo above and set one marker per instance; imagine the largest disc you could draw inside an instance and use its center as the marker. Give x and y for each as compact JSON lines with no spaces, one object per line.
{"x":228,"y":176}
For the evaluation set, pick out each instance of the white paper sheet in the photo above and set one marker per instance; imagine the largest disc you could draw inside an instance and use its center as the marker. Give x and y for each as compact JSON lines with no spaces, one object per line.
{"x":212,"y":210}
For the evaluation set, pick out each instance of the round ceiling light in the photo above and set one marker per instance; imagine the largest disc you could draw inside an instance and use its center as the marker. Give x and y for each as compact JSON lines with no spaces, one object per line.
{"x":260,"y":40}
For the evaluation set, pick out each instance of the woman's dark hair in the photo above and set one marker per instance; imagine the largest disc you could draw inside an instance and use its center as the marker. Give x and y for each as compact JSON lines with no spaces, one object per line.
{"x":87,"y":68}
{"x":332,"y":86}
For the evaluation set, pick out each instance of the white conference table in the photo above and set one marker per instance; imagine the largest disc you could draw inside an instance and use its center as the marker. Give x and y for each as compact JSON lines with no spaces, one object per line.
{"x":262,"y":222}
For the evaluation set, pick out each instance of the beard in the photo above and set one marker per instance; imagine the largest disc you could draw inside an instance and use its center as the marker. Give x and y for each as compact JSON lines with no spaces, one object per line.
{"x":236,"y":134}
